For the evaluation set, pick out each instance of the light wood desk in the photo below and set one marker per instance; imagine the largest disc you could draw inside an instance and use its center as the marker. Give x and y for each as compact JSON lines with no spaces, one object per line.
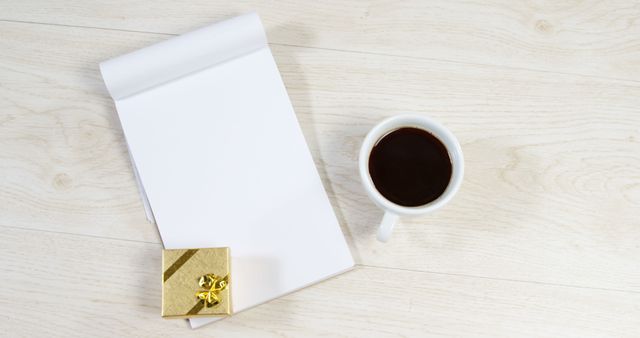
{"x":542,"y":240}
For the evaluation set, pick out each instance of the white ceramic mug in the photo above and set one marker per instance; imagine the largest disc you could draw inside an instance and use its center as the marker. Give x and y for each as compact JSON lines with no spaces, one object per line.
{"x":393,"y":211}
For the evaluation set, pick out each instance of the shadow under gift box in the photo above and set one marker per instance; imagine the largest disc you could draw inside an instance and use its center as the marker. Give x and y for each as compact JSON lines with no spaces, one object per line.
{"x":196,"y":283}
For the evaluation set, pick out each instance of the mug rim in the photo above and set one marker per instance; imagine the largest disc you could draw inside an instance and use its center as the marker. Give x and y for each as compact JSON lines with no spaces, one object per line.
{"x":427,"y":124}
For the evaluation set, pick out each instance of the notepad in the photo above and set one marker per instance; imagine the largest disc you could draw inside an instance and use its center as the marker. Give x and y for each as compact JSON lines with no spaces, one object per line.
{"x":221,"y":159}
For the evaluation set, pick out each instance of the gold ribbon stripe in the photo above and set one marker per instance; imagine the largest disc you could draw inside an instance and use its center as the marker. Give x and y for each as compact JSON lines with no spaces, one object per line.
{"x":195,"y":309}
{"x":179,"y":263}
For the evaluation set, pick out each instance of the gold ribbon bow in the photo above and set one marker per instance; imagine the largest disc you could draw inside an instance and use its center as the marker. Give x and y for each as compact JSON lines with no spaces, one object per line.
{"x":214,"y":284}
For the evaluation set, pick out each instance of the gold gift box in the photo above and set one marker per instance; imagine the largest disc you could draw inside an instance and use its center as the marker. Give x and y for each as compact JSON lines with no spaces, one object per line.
{"x":195,"y":283}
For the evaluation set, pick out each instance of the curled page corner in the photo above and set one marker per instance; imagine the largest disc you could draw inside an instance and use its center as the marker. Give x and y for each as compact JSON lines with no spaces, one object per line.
{"x":143,"y":194}
{"x":165,"y":61}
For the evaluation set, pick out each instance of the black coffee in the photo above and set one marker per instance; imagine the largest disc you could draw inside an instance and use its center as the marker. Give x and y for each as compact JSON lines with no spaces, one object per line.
{"x":410,"y":167}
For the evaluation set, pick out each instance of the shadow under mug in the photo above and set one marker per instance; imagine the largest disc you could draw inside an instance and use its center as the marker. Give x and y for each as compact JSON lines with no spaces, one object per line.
{"x":393,"y":211}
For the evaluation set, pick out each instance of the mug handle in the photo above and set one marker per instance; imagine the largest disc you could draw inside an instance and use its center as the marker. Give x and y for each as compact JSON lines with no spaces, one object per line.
{"x":386,"y":226}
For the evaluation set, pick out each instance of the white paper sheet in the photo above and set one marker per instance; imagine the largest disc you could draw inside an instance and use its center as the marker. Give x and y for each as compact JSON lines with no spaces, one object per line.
{"x":222,"y":159}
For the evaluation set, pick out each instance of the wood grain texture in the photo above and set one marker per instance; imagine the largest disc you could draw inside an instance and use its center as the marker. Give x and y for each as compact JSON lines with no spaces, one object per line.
{"x":62,"y":145}
{"x":584,"y":37}
{"x":542,"y":239}
{"x":74,"y":286}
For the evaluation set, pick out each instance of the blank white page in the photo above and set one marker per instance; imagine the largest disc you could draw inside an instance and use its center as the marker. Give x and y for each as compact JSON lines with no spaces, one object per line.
{"x":223,"y":162}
